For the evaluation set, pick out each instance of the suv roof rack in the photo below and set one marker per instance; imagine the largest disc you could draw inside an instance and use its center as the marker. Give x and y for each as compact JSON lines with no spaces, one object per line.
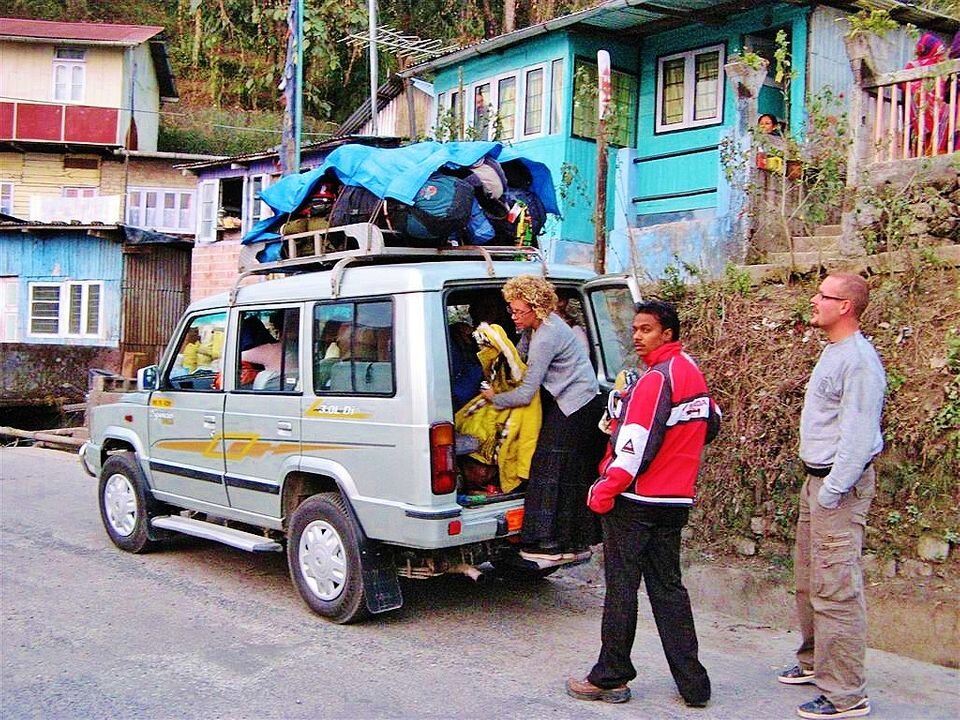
{"x":336,"y":248}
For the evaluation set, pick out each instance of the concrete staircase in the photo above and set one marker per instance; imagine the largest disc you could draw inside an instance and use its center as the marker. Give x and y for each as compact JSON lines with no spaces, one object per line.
{"x":809,"y":253}
{"x":822,"y":250}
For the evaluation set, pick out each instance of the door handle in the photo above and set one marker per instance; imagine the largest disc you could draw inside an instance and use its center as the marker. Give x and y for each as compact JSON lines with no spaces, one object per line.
{"x":283,"y":425}
{"x":209,"y":421}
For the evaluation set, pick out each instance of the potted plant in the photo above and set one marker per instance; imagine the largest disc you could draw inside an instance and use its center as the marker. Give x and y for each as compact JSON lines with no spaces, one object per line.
{"x":866,"y":38}
{"x":746,"y":71}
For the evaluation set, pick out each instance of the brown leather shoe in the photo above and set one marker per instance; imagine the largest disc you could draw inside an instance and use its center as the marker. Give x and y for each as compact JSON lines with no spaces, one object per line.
{"x":586,"y":690}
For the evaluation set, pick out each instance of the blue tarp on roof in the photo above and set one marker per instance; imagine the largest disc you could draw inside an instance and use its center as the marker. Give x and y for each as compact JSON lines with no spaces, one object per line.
{"x":396,"y":173}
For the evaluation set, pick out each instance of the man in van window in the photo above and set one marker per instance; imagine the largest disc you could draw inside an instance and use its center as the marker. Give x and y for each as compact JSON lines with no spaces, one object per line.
{"x":659,"y":425}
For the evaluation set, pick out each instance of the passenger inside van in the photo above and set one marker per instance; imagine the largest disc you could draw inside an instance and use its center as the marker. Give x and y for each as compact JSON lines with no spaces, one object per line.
{"x":467,"y":372}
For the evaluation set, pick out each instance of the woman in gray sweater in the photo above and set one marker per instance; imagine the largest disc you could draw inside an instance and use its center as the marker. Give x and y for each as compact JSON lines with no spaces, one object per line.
{"x":557,"y":524}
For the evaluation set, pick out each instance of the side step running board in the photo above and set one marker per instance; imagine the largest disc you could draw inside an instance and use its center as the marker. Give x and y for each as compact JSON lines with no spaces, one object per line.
{"x":219,"y":533}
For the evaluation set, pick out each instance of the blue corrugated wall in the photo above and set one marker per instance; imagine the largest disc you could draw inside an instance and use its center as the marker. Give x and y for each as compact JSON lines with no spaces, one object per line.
{"x":58,"y":257}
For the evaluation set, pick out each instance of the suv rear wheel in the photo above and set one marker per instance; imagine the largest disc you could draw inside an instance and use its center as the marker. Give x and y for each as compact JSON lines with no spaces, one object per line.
{"x":124,"y":504}
{"x":324,"y":558}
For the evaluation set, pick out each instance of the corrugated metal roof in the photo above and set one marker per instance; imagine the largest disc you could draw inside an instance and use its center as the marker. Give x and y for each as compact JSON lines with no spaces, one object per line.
{"x":87,"y":32}
{"x":644,"y":17}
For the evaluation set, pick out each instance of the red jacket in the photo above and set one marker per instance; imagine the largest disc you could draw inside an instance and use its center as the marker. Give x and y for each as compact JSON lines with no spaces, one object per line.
{"x":659,"y":427}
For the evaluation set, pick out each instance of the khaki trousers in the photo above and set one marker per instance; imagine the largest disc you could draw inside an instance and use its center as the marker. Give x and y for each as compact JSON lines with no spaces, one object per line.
{"x":830,"y":602}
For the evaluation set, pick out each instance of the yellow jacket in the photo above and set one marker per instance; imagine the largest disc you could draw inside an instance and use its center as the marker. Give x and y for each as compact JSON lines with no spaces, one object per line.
{"x":508,"y":436}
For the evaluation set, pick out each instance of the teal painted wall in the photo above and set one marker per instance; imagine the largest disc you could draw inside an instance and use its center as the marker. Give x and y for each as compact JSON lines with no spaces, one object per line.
{"x":700,"y":170}
{"x":576,"y":198}
{"x":655,"y":224}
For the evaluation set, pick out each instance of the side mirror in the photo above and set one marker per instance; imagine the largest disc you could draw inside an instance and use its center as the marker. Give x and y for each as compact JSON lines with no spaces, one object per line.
{"x":148,"y":378}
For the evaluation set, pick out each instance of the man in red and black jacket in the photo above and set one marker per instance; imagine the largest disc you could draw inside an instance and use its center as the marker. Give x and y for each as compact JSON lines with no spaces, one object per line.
{"x":659,"y":425}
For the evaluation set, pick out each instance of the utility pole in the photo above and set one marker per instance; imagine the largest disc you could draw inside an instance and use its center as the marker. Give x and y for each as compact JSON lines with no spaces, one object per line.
{"x":600,"y":213}
{"x":374,"y":70}
{"x":292,"y":87}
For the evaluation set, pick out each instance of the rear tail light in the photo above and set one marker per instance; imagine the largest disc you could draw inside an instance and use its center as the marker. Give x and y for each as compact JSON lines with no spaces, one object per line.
{"x":443,"y":471}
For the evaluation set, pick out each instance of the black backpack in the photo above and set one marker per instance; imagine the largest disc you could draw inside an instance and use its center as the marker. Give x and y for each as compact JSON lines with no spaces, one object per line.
{"x":355,"y":204}
{"x":440,"y":208}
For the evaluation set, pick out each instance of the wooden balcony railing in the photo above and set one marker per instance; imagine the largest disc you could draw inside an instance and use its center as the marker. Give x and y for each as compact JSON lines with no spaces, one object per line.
{"x":913,"y":113}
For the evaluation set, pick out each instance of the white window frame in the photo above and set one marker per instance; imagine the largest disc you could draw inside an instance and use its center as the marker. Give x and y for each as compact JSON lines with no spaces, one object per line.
{"x":522,"y":102}
{"x":184,"y":227}
{"x":9,"y":309}
{"x":472,"y":121}
{"x":254,"y":209}
{"x":64,"y":305}
{"x":6,"y":198}
{"x":494,"y":103}
{"x":444,"y":101}
{"x":71,"y":62}
{"x":689,"y":89}
{"x":207,"y":210}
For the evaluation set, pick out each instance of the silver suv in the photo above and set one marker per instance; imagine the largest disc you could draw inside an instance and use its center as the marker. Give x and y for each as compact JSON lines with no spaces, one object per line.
{"x":335,"y":441}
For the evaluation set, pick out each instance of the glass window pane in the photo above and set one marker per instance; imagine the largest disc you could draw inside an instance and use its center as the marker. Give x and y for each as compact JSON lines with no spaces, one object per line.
{"x":507,"y":108}
{"x":45,"y":310}
{"x":59,"y":82}
{"x":556,"y":96}
{"x":456,"y":113}
{"x":76,"y":86}
{"x":613,"y":313}
{"x":93,"y":310}
{"x":533,"y":107}
{"x":196,"y":365}
{"x":707,"y":74}
{"x":481,"y":111}
{"x":74,"y":310}
{"x":672,"y":110}
{"x":353,"y":348}
{"x":169,"y":210}
{"x":186,"y":211}
{"x":150,"y":216}
{"x":585,"y":100}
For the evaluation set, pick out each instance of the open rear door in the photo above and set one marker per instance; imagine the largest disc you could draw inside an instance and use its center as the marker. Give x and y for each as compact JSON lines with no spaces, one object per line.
{"x":609,"y":309}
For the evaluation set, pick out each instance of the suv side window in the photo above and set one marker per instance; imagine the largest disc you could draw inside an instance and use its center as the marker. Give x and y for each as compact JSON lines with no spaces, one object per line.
{"x":353,"y":348}
{"x":268,"y":358}
{"x":197,"y":363}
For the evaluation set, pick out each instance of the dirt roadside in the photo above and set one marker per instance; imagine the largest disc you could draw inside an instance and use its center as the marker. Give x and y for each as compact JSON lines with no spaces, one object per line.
{"x":914,"y":617}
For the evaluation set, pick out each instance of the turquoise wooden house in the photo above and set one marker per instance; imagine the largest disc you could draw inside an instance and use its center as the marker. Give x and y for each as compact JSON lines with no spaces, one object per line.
{"x":672,"y":106}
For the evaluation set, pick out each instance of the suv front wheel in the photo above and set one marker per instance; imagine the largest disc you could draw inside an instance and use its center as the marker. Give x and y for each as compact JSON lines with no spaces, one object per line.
{"x":324,"y":558}
{"x":124,"y":504}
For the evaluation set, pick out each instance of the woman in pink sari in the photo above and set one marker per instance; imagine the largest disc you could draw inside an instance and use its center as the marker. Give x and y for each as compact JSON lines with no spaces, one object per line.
{"x":928,"y":104}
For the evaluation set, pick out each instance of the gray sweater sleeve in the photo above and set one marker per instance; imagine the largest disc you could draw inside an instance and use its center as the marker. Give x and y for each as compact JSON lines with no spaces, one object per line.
{"x":542,"y":348}
{"x":860,"y":409}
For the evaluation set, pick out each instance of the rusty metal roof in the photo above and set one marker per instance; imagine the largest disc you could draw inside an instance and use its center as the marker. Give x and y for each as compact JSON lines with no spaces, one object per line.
{"x":14,"y":28}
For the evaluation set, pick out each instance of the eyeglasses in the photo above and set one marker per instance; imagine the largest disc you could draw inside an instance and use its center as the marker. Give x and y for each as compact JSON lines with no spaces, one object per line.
{"x":518,"y":313}
{"x":821,"y":296}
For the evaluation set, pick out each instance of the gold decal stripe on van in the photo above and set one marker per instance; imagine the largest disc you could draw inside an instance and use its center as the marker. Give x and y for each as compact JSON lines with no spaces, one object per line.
{"x":208,"y":448}
{"x":321,"y":409}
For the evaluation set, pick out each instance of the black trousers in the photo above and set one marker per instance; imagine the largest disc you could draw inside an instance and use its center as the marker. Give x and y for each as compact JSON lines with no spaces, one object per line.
{"x":564,"y":465}
{"x":643,"y":542}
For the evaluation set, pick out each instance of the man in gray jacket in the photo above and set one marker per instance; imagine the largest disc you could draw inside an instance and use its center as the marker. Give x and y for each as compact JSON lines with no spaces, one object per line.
{"x":839,"y":438}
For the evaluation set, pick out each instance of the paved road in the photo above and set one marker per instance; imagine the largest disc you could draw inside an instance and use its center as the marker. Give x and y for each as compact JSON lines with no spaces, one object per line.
{"x":202,"y":631}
